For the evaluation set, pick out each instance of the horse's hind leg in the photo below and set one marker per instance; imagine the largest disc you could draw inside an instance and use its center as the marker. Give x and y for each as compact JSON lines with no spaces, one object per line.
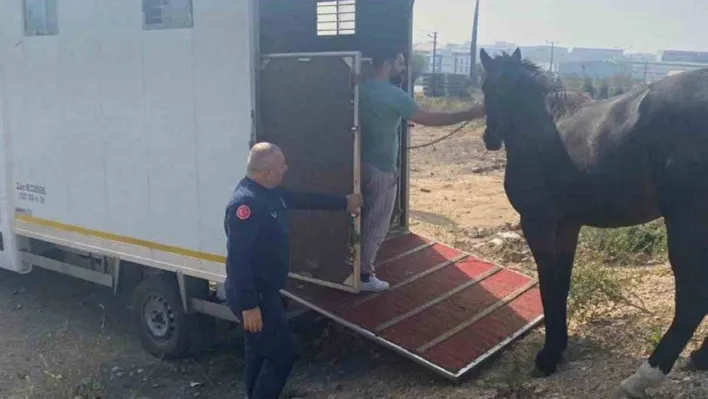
{"x":699,"y":357}
{"x":689,"y":260}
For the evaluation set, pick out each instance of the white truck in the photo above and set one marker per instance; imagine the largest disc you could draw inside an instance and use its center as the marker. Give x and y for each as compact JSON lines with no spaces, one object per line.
{"x":125,"y":125}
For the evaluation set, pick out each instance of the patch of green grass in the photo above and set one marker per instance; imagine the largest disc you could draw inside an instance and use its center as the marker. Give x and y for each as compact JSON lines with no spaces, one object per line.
{"x":596,"y":289}
{"x":623,"y":245}
{"x":652,"y":339}
{"x":512,"y":380}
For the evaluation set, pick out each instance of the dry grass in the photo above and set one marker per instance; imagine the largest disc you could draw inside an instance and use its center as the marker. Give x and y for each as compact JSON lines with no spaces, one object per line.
{"x":446,"y":104}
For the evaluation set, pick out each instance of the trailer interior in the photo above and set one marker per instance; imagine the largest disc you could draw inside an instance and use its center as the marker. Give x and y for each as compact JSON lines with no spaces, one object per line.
{"x":311,"y":52}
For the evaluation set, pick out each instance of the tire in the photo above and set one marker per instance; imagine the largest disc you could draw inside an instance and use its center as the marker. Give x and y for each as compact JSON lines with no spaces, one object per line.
{"x":159,"y":319}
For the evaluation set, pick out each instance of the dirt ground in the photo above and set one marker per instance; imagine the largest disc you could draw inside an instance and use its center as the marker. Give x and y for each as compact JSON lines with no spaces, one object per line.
{"x":63,"y":338}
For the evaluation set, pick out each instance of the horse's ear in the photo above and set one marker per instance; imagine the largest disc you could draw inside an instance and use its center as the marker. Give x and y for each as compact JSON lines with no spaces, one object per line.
{"x":517,"y":55}
{"x":486,"y":59}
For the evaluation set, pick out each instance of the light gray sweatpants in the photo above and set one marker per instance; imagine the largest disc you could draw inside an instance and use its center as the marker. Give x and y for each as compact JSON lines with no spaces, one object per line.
{"x":379,"y":191}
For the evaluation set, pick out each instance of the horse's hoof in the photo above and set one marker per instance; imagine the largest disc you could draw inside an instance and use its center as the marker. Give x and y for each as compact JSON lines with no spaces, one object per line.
{"x":636,"y":385}
{"x":692,"y":364}
{"x":538,"y":373}
{"x":630,"y":391}
{"x":687,"y":364}
{"x":546,"y":363}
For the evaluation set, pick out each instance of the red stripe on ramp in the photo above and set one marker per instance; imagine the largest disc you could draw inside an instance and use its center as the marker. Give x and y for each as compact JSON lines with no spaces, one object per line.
{"x":410,"y":265}
{"x":476,"y":340}
{"x":400,"y":301}
{"x":398,"y":245}
{"x":435,"y":321}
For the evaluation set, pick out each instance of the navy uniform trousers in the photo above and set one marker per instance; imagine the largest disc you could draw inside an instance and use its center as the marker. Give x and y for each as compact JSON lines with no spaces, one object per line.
{"x":269,"y":353}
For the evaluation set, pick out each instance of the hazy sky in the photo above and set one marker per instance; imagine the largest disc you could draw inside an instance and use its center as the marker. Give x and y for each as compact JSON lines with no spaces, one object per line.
{"x":636,"y":25}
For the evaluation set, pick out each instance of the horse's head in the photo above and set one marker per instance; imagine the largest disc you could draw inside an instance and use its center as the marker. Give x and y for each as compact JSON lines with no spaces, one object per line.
{"x":502,"y":75}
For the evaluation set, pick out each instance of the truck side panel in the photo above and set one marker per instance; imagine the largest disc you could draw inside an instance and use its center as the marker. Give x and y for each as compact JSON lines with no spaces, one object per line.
{"x":222,"y":67}
{"x":81,"y":159}
{"x":130,"y":140}
{"x":123,"y":121}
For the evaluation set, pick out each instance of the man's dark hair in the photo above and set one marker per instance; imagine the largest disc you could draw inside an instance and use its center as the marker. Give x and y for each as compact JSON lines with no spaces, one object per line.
{"x":379,"y":56}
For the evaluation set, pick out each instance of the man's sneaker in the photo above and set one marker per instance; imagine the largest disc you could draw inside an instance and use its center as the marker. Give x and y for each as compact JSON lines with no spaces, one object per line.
{"x":374,"y":285}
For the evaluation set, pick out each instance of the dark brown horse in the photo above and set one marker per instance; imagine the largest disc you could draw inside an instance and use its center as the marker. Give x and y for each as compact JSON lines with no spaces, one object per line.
{"x":618,"y":162}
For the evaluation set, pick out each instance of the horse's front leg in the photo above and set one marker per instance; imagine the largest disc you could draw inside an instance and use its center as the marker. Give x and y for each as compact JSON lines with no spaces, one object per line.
{"x":553,"y":245}
{"x":566,"y":245}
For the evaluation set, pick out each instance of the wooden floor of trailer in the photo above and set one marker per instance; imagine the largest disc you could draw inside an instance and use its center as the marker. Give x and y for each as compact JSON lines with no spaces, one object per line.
{"x":446,"y":309}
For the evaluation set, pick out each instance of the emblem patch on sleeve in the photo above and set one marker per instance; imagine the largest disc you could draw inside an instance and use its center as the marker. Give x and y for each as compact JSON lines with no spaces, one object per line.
{"x":243,"y":212}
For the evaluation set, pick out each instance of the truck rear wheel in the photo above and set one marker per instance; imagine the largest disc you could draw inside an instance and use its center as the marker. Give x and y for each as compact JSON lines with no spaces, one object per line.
{"x":159,"y":318}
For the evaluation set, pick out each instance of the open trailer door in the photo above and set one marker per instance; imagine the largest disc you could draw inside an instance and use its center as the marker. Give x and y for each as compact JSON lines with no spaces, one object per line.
{"x":308,"y":106}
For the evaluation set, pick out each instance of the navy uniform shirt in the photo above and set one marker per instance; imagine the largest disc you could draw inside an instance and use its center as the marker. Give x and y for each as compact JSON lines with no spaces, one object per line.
{"x":256,"y":225}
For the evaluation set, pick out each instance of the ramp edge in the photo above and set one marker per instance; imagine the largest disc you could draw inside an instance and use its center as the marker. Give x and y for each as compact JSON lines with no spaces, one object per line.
{"x":370,"y":335}
{"x":452,"y":376}
{"x":504,"y":343}
{"x":477,"y":317}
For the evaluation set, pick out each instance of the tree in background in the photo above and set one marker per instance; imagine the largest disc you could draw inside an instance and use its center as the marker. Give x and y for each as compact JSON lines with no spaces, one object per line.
{"x":604,"y":90}
{"x":419,"y":65}
{"x":589,"y":87}
{"x":573,"y":83}
{"x":622,"y":84}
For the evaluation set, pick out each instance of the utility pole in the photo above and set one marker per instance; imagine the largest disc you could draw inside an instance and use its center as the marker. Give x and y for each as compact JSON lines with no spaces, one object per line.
{"x":646,"y":67}
{"x":473,"y":47}
{"x":553,"y":44}
{"x":434,"y":36}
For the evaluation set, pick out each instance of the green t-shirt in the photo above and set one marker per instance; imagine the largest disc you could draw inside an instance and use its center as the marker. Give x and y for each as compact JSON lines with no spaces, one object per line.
{"x":381,"y":108}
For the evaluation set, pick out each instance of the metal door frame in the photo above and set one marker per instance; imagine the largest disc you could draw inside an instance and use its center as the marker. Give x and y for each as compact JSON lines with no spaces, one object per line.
{"x":355,"y":277}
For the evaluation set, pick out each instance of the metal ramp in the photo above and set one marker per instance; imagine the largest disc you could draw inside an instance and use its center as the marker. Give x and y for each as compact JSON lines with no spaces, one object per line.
{"x":446,"y":309}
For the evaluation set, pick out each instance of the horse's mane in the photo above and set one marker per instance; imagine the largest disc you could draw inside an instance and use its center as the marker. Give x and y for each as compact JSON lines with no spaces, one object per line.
{"x":560,"y":102}
{"x":564,"y":103}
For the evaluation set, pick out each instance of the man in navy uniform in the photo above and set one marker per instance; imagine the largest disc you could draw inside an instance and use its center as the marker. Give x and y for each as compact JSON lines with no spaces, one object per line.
{"x":258,"y":261}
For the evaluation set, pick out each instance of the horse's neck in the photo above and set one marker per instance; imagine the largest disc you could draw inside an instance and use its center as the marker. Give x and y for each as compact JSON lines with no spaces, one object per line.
{"x":537,"y":149}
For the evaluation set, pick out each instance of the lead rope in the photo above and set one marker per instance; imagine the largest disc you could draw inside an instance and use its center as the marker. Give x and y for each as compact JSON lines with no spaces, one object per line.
{"x":452,"y":133}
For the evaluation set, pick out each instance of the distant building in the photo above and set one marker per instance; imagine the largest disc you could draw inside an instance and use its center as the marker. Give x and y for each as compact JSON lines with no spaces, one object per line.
{"x":581,"y":62}
{"x":542,"y":54}
{"x":652,"y":71}
{"x":641,"y":57}
{"x":455,"y":59}
{"x":593,"y":69}
{"x":581,"y":54}
{"x":684,"y":56}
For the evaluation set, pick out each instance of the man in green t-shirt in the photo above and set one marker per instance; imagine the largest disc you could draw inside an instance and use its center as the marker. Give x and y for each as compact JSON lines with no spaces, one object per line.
{"x":382,"y":106}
